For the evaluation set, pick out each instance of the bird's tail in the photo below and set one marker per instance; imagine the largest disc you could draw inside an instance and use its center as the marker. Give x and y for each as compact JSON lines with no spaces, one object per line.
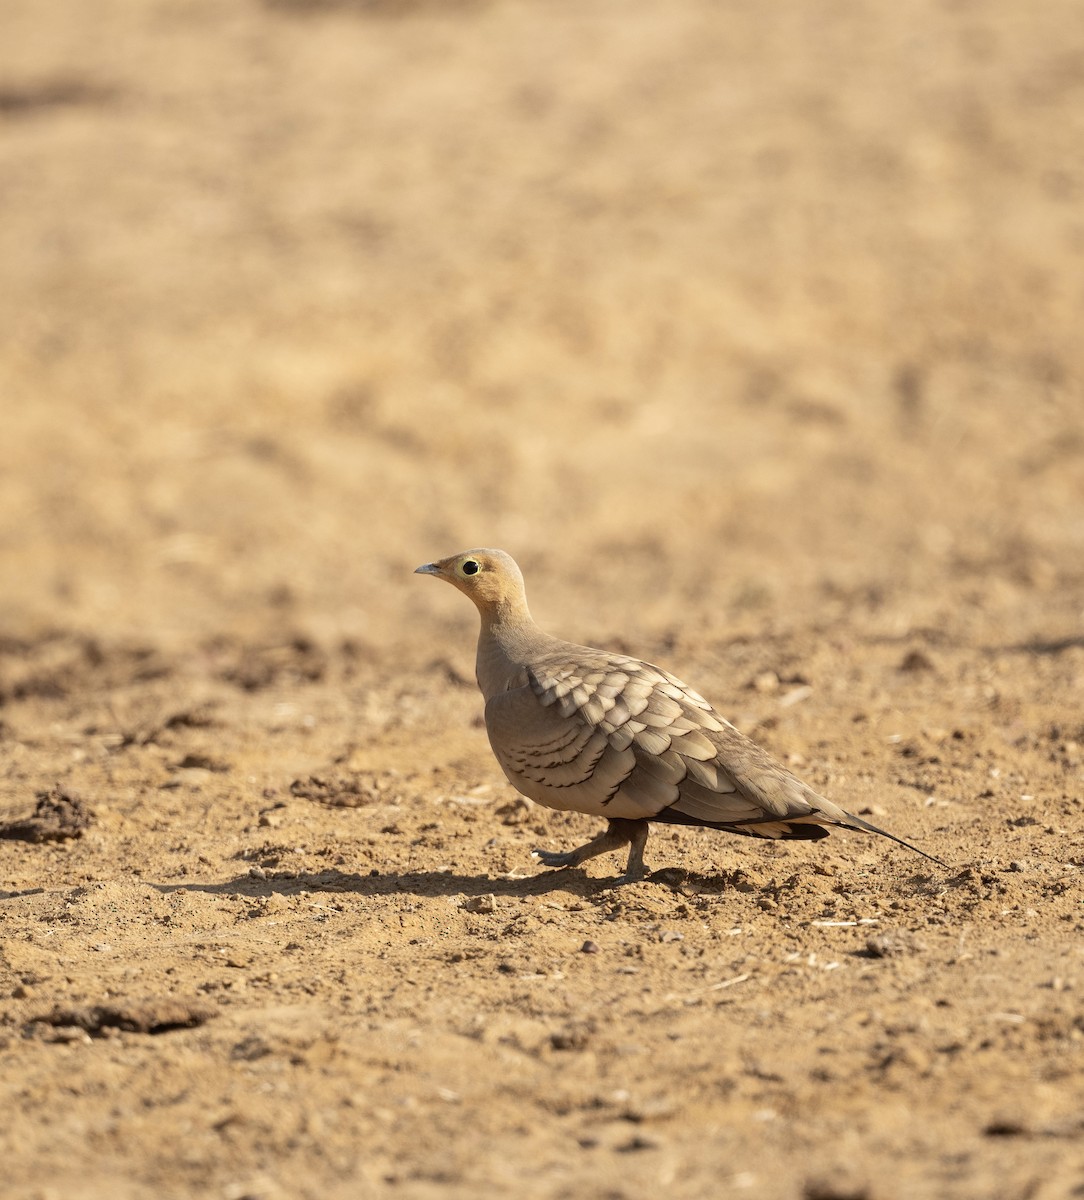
{"x":857,"y":823}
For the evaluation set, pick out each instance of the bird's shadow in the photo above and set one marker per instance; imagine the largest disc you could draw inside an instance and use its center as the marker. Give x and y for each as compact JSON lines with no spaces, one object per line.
{"x":574,"y":883}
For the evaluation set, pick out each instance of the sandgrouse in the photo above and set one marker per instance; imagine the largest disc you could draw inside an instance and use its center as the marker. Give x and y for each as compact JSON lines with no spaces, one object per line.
{"x":594,"y":732}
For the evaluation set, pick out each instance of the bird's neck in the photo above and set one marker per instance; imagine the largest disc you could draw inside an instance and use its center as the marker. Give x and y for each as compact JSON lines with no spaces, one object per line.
{"x":507,"y":640}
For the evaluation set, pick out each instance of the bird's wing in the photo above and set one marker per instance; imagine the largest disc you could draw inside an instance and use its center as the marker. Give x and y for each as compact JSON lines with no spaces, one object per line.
{"x":607,"y":734}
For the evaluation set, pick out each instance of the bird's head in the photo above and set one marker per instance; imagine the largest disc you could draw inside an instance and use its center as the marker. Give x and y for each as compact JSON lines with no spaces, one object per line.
{"x":489,"y":577}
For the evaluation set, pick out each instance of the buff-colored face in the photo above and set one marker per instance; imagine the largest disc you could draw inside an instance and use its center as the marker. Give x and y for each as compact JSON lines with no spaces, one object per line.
{"x":489,"y":577}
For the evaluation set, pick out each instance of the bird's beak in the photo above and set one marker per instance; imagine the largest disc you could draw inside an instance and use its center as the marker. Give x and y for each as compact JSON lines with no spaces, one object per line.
{"x":427,"y":569}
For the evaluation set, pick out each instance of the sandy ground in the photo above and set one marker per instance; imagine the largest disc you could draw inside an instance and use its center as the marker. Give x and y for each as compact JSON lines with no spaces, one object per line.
{"x":754,"y":332}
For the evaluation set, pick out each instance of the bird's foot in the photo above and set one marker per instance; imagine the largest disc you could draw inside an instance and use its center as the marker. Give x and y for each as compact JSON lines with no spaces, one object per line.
{"x":618,"y":833}
{"x":555,"y":858}
{"x":630,"y":877}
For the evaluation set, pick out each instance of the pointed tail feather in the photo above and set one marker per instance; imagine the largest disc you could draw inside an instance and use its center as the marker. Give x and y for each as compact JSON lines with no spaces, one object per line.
{"x":857,"y":823}
{"x":808,"y":828}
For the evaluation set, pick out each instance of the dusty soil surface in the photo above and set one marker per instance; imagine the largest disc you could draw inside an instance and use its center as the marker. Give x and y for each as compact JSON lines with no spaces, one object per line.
{"x":754,"y":332}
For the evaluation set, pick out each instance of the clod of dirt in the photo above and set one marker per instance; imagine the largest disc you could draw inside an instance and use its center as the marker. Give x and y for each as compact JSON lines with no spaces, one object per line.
{"x":58,"y":815}
{"x":200,"y":717}
{"x":342,"y":791}
{"x":145,"y":1016}
{"x":1005,"y":1127}
{"x":202,"y":762}
{"x":745,"y":881}
{"x":890,"y":945}
{"x":834,"y":1189}
{"x":573,"y":1037}
{"x":250,"y":1049}
{"x":916,"y":660}
{"x":61,"y":92}
{"x":637,"y":1142}
{"x":480,"y":904}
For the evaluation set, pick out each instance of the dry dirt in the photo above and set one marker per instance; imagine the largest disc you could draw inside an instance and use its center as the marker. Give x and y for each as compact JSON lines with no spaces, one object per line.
{"x":754,"y":332}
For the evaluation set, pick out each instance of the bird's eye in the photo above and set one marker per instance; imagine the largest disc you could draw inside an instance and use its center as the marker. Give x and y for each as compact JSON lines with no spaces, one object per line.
{"x":470,"y":567}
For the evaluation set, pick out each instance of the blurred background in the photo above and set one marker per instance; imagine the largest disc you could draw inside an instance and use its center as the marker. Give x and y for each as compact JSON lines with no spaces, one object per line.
{"x":761,"y":312}
{"x":755,"y":331}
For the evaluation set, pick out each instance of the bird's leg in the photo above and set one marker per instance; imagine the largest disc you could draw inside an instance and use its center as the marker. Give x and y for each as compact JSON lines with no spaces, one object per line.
{"x":634,"y":868}
{"x":616,"y":834}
